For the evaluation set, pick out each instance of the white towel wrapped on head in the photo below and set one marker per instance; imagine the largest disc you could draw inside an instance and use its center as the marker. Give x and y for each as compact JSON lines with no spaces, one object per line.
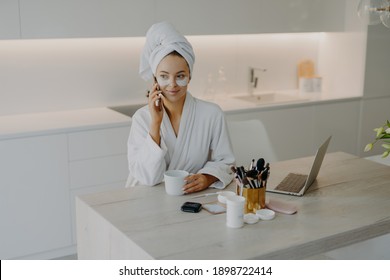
{"x":162,"y":39}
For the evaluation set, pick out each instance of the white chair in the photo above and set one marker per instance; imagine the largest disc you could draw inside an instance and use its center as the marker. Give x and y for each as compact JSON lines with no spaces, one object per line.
{"x":250,"y":140}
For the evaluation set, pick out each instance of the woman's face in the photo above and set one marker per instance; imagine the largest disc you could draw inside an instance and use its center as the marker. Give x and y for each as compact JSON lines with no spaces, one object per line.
{"x":173,"y":76}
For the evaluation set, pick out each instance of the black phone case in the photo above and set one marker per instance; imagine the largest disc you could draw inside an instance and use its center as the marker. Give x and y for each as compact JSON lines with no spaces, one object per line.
{"x":192,"y":207}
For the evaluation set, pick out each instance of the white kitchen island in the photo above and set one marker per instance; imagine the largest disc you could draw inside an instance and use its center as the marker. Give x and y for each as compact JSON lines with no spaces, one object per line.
{"x":347,"y":204}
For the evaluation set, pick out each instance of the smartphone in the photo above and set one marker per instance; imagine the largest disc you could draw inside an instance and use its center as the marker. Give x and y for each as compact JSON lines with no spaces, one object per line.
{"x":192,"y":207}
{"x":158,"y":101}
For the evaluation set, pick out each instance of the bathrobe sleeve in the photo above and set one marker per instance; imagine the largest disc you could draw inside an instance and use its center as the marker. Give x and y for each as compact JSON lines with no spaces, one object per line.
{"x":221,"y":156}
{"x":145,"y":157}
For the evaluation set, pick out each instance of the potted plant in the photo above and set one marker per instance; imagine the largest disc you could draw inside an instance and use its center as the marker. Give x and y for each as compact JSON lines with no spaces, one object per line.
{"x":382,"y":135}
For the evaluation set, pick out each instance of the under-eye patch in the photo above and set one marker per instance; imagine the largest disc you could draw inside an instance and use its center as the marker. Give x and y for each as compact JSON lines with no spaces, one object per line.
{"x":165,"y":81}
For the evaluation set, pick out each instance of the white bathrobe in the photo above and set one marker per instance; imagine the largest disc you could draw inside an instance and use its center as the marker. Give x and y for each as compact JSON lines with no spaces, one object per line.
{"x":202,"y":145}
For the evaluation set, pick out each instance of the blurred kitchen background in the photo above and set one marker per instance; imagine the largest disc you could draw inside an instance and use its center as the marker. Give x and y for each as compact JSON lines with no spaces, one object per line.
{"x":78,"y":55}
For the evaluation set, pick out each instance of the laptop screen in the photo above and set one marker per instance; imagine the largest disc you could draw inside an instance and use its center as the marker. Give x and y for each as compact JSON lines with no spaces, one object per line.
{"x":315,"y":168}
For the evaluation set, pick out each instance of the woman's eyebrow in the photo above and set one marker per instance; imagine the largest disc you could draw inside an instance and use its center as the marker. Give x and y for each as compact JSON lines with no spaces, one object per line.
{"x":165,"y":72}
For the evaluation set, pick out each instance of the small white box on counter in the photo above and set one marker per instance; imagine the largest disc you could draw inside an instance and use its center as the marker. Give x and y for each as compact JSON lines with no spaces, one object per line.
{"x":307,"y":85}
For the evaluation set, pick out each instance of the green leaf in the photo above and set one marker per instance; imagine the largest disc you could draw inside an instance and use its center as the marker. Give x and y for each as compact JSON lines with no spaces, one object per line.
{"x":379,"y":131}
{"x":388,"y":123}
{"x":368,"y":147}
{"x":386,"y":146}
{"x":385,"y":154}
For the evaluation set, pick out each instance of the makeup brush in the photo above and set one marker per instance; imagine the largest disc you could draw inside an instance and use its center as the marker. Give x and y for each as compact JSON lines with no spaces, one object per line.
{"x":260,"y":164}
{"x":252,"y":173}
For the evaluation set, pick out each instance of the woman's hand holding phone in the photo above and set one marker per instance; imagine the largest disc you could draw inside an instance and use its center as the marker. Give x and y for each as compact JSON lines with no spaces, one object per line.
{"x":155,"y":102}
{"x":158,"y":103}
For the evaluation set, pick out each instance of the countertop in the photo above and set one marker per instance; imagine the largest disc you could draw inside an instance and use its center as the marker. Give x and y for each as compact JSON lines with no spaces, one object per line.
{"x":23,"y":125}
{"x":234,"y":105}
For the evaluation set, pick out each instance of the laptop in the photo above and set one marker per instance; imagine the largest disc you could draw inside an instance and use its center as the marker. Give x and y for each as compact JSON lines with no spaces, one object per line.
{"x":298,"y":184}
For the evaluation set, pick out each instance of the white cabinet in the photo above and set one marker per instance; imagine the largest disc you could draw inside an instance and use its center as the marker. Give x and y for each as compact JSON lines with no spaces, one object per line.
{"x":34,"y":201}
{"x":91,"y":18}
{"x":376,"y":80}
{"x":252,"y":16}
{"x":97,"y":162}
{"x":9,"y":19}
{"x":98,"y":143}
{"x":40,"y":178}
{"x":341,"y":120}
{"x":87,"y":18}
{"x":98,"y":157}
{"x":376,"y":96}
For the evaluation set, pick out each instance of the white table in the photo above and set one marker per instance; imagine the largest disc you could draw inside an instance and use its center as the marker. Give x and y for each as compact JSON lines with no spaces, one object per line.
{"x":348,"y":203}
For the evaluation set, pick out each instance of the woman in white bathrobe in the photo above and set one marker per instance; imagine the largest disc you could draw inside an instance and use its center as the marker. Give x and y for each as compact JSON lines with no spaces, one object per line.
{"x":176,"y":130}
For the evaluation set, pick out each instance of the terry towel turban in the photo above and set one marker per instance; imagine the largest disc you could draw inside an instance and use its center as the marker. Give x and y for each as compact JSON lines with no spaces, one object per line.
{"x":162,"y":39}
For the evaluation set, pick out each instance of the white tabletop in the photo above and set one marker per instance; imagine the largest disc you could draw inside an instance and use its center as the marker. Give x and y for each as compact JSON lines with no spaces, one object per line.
{"x":348,"y":203}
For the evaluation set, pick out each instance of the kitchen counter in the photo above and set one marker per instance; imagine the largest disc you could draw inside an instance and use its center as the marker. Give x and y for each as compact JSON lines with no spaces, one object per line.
{"x":230,"y":105}
{"x":347,"y":204}
{"x":15,"y":126}
{"x":234,"y":105}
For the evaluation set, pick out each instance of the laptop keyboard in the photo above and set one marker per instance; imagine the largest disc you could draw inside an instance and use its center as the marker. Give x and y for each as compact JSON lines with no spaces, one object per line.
{"x":292,"y":183}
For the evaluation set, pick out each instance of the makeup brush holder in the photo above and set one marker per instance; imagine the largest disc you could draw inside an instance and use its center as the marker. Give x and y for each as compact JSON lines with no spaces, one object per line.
{"x":254,"y":199}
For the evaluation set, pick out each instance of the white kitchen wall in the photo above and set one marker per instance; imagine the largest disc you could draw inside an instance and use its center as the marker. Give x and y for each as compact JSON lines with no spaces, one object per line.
{"x":278,"y":53}
{"x":342,"y":63}
{"x":66,"y":74}
{"x":49,"y":75}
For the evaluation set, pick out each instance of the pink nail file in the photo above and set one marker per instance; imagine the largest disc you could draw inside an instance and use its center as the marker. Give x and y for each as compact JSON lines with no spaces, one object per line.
{"x":281,"y":207}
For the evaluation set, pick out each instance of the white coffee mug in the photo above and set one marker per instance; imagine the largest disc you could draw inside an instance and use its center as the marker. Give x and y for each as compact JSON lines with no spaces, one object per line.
{"x":235,"y":211}
{"x":174,"y":181}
